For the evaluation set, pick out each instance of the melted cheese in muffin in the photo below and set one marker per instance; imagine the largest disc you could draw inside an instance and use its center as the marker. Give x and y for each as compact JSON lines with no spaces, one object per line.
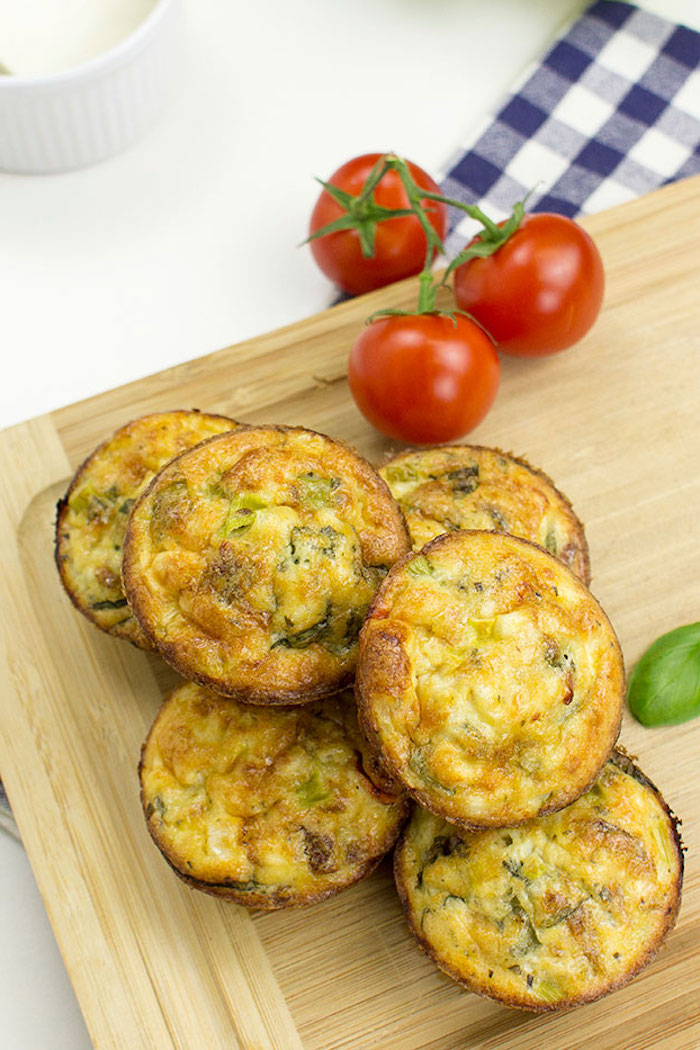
{"x":490,"y":681}
{"x":93,"y":516}
{"x":251,"y":561}
{"x":471,"y":487}
{"x":556,"y":912}
{"x":267,"y":806}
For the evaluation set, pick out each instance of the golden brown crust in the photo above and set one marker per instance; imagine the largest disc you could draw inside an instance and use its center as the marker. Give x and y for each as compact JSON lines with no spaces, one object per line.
{"x":269,"y":807}
{"x":490,"y":682}
{"x":476,"y":487}
{"x":273,"y":901}
{"x":623,"y":901}
{"x":250,"y":563}
{"x":92,"y":517}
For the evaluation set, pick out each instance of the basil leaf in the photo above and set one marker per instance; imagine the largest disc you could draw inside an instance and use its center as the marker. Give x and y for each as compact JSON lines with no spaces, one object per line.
{"x":664,"y":688}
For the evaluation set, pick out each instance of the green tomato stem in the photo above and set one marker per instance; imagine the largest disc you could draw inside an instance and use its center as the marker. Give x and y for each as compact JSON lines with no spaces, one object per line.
{"x":373,"y":179}
{"x":427,"y":289}
{"x":363,"y":214}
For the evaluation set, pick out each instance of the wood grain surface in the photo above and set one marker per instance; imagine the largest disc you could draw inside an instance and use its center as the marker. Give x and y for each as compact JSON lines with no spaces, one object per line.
{"x":155,"y":965}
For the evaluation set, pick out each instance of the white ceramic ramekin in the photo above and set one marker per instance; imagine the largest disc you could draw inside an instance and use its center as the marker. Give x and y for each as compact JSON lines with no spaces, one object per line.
{"x":80,"y":116}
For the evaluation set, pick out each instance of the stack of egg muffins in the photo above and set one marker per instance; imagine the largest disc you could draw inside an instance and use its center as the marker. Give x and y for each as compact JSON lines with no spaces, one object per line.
{"x":272,"y":567}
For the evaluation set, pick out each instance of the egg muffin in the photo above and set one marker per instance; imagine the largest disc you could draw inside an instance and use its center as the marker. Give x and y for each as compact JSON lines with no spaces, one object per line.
{"x":472,"y":487}
{"x":490,"y":681}
{"x":557,"y":912}
{"x":251,"y":560}
{"x":270,"y":807}
{"x":92,"y":517}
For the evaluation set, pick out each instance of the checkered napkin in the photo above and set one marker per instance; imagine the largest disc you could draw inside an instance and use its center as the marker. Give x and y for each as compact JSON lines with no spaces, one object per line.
{"x":612,"y":111}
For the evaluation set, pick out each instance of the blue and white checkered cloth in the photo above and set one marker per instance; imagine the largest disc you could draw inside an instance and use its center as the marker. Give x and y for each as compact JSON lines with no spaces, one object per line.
{"x":610,"y":112}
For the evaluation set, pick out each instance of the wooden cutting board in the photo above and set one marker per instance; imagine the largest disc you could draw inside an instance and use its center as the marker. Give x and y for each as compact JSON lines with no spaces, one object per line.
{"x":156,"y":965}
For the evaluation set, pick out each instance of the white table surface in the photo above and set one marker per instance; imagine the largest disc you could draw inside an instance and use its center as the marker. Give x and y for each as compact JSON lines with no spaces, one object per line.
{"x":188,"y":242}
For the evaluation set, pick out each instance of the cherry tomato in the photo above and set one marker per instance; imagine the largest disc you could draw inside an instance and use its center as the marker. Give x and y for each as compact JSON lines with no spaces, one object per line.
{"x":400,"y":245}
{"x":540,"y":292}
{"x":422,"y":378}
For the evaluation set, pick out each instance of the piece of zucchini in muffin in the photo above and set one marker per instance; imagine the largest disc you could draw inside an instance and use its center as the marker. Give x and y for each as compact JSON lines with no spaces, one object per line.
{"x":490,"y":682}
{"x":270,"y":807}
{"x":251,"y":560}
{"x":557,"y":912}
{"x":92,"y":517}
{"x":473,"y":487}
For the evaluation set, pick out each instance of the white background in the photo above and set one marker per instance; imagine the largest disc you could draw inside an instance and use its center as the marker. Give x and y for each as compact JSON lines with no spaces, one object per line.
{"x":188,"y":242}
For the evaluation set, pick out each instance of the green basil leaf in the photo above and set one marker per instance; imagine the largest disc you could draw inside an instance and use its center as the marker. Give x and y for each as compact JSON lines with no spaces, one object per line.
{"x":664,"y":688}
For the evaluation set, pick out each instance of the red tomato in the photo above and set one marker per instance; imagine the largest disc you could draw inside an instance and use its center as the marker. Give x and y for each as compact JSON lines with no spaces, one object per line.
{"x":422,"y":378}
{"x":540,"y":292}
{"x":400,"y":245}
